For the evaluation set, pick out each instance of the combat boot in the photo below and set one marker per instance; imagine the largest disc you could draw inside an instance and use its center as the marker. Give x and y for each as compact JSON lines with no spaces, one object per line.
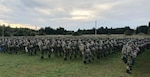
{"x":128,"y":71}
{"x":42,"y":57}
{"x":84,"y":62}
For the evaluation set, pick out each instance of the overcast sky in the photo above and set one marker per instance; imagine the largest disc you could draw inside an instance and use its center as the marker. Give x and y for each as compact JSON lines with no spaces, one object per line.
{"x":74,"y":14}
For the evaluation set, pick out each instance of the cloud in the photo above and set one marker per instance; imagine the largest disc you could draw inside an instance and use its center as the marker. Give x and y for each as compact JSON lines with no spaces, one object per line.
{"x":14,"y":25}
{"x":44,"y":11}
{"x":24,"y":26}
{"x":5,"y":9}
{"x":81,"y":14}
{"x":74,"y":14}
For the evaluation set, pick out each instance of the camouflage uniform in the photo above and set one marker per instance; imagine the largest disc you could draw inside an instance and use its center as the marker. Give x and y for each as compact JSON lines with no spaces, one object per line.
{"x":127,"y":56}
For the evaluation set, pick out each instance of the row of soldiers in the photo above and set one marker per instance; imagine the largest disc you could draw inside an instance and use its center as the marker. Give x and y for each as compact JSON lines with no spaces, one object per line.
{"x":131,"y":50}
{"x":68,"y":47}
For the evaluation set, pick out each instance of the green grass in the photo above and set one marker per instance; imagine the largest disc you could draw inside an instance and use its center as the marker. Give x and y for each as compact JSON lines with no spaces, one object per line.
{"x":22,"y":65}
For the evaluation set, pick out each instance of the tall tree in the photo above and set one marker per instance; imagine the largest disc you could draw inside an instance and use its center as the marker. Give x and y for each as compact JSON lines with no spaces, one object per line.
{"x":41,"y":31}
{"x":142,"y":29}
{"x":49,"y":30}
{"x":61,"y":30}
{"x":148,"y":31}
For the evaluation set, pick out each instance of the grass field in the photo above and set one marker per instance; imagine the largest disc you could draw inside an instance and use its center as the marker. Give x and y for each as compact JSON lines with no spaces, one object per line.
{"x":22,"y":65}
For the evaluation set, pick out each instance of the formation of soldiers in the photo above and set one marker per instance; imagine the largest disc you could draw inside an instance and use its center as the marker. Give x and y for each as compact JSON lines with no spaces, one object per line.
{"x":131,"y":50}
{"x":68,"y":47}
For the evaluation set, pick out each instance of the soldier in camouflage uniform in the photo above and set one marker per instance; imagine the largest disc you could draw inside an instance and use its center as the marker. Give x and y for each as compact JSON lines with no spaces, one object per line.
{"x":44,"y":48}
{"x":128,"y":56}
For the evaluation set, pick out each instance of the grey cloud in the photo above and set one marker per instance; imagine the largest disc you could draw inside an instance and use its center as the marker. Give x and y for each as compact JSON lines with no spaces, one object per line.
{"x":31,"y":3}
{"x":127,"y":12}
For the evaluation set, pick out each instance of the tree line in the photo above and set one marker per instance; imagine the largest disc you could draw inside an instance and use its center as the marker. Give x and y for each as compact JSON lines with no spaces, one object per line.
{"x":8,"y":31}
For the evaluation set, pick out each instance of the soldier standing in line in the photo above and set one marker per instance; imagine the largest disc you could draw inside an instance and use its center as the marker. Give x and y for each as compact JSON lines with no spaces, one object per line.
{"x":135,"y":51}
{"x":82,"y":50}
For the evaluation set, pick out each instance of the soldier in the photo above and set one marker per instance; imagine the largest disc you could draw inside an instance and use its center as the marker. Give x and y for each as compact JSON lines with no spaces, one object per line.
{"x":127,"y":56}
{"x":41,"y":49}
{"x":136,"y":50}
{"x":86,"y":52}
{"x":75,"y":49}
{"x":3,"y":46}
{"x":57,"y":49}
{"x":45,"y":49}
{"x":82,"y":50}
{"x":30,"y":47}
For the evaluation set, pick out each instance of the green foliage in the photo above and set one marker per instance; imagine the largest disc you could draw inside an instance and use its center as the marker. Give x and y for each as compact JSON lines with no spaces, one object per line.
{"x":8,"y":31}
{"x":24,"y":32}
{"x":109,"y":34}
{"x":61,"y":31}
{"x":142,"y":29}
{"x":148,"y":31}
{"x":76,"y":34}
{"x":49,"y":31}
{"x":41,"y":31}
{"x":128,"y":32}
